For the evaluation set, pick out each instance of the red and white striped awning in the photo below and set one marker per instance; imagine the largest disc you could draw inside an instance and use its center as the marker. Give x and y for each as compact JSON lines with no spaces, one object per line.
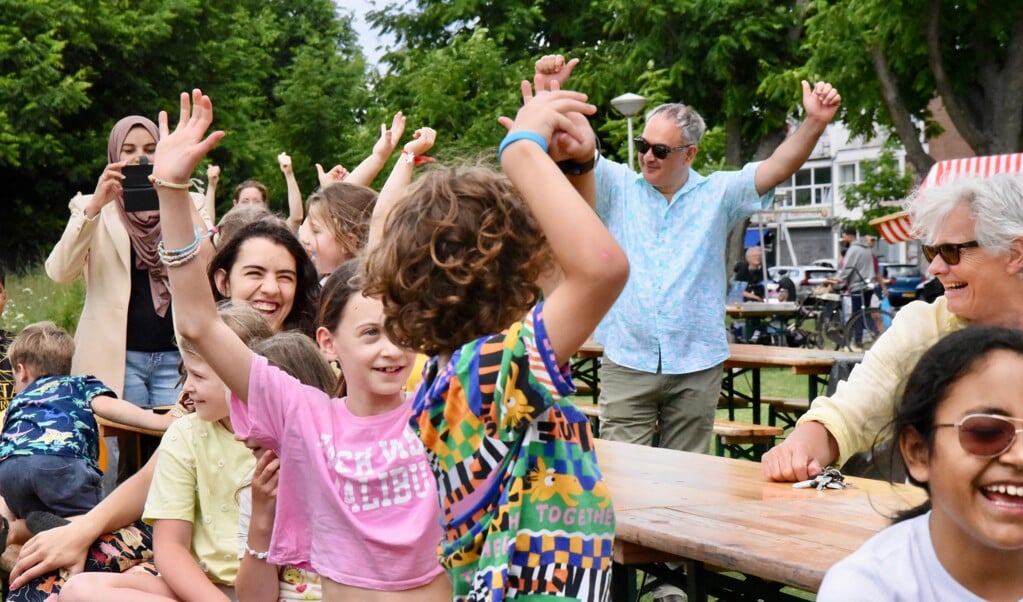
{"x":896,"y":227}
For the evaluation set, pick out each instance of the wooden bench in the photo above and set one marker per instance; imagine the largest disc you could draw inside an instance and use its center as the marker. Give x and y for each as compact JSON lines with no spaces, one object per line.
{"x":787,"y":410}
{"x":734,"y":437}
{"x":739,"y":439}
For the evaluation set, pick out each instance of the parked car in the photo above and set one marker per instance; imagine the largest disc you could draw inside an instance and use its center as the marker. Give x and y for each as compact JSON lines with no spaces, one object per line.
{"x":902,"y":280}
{"x":805,"y":277}
{"x":930,"y":289}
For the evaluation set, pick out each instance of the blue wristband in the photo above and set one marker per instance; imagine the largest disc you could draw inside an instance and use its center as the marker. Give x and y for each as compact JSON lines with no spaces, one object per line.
{"x":513,"y":137}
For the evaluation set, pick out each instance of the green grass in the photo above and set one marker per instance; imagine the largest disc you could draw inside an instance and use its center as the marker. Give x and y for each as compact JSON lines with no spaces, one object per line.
{"x":33,"y":297}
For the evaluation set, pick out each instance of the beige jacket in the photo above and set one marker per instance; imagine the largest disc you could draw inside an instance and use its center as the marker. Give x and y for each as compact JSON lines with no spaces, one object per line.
{"x":864,"y":405}
{"x":100,"y":248}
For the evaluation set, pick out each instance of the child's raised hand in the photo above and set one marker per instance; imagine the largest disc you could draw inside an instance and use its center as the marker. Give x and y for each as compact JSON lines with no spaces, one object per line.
{"x":422,"y":141}
{"x":389,"y":138}
{"x":285,"y":162}
{"x":180,"y":151}
{"x":264,"y":484}
{"x":552,"y":68}
{"x":336,"y":174}
{"x":547,"y":112}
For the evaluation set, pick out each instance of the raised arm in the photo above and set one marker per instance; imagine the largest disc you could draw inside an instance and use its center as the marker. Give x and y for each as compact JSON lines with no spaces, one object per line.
{"x":401,"y":175}
{"x":195,"y":312}
{"x":212,"y":181}
{"x":594,"y":267}
{"x":67,"y":259}
{"x":821,"y":102}
{"x":367,"y":171}
{"x":295,"y":210}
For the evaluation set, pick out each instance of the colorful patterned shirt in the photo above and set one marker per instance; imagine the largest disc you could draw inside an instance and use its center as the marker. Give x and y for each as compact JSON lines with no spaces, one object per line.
{"x":672,"y":312}
{"x":525,"y":509}
{"x":53,"y":417}
{"x":6,"y":373}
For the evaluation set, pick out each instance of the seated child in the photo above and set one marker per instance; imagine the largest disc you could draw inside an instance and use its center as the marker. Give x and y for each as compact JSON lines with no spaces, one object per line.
{"x":957,"y":428}
{"x":49,"y":447}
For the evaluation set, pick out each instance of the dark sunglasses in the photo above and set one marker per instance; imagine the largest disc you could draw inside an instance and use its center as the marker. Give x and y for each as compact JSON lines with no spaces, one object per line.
{"x":661,"y":151}
{"x":986,"y":435}
{"x":949,"y":251}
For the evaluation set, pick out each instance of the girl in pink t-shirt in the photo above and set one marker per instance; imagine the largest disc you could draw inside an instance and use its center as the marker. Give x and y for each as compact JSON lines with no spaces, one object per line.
{"x":356,"y":499}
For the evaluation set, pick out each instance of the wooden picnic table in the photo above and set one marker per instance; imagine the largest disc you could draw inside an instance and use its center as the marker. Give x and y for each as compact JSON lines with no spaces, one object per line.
{"x":742,"y":359}
{"x":761,"y":310}
{"x":143,"y":441}
{"x":816,"y":364}
{"x":711,"y":512}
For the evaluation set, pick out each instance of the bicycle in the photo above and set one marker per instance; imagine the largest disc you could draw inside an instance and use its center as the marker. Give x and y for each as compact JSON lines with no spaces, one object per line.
{"x":818,"y":322}
{"x":864,"y":320}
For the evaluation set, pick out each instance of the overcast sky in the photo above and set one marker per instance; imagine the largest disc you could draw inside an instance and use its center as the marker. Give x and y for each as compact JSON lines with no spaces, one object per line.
{"x":370,"y":39}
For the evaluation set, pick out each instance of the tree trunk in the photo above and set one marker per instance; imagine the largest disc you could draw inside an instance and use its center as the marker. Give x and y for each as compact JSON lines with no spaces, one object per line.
{"x":901,"y":120}
{"x":967,"y":126}
{"x":733,"y":141}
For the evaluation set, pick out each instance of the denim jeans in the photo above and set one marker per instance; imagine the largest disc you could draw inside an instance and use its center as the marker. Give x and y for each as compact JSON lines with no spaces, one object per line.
{"x":150,"y":378}
{"x":862,"y":301}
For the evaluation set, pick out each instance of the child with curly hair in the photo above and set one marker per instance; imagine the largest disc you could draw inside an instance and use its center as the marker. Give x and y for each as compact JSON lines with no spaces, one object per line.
{"x":456,"y":260}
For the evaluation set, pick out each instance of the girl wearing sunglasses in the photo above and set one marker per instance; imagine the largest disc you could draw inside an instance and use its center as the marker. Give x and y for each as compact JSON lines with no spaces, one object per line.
{"x":957,"y":428}
{"x":972,"y":234}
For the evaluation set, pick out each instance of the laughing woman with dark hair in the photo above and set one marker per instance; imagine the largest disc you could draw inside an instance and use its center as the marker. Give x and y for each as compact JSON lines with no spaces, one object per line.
{"x":264,"y":265}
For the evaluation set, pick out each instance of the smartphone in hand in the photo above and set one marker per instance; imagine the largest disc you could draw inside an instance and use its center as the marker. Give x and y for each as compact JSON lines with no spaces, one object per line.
{"x":139,"y":193}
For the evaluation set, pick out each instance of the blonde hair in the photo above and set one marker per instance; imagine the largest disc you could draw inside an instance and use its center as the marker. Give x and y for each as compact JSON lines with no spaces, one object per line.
{"x":243,"y":319}
{"x":44,"y":348}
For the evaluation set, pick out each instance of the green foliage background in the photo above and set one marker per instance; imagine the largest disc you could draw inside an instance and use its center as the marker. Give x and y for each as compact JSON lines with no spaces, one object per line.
{"x":291,"y":76}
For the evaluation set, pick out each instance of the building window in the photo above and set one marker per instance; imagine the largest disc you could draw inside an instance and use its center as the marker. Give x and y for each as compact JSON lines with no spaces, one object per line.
{"x":808,"y":186}
{"x":849,"y":173}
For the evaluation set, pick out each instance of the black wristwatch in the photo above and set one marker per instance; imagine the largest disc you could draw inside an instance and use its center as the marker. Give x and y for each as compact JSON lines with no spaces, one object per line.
{"x":571,"y":168}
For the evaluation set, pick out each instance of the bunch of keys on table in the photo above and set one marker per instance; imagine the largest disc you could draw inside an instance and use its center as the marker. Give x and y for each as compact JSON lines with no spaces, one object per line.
{"x":829,"y":478}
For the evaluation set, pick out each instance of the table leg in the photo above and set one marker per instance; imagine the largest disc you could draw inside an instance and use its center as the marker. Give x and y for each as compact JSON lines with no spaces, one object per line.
{"x":696,"y":581}
{"x":623,"y":583}
{"x":756,"y":395}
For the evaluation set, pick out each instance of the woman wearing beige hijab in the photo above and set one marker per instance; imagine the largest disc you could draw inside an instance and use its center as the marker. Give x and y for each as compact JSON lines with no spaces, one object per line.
{"x":125,"y":336}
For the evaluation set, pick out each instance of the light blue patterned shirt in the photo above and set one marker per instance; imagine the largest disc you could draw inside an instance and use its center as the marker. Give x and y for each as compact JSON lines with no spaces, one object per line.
{"x":672,"y":310}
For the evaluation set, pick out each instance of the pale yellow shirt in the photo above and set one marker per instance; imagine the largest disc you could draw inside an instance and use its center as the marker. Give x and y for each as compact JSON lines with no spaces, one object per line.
{"x":864,"y":405}
{"x":199,"y":472}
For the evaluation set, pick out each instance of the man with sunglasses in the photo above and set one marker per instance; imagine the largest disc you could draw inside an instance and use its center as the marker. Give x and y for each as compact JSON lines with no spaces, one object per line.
{"x":664,"y":339}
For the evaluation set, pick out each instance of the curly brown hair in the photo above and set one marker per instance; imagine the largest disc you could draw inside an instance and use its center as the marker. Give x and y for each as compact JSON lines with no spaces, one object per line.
{"x":460,"y":260}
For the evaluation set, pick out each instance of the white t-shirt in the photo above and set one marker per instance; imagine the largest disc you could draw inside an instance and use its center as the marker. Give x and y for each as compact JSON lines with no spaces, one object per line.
{"x":897,"y":564}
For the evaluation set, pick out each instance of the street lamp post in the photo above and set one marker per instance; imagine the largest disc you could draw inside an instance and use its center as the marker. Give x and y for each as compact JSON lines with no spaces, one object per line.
{"x":629,"y":104}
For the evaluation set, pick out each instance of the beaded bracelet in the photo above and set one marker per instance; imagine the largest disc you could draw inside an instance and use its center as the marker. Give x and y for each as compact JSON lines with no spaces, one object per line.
{"x":255,"y":554}
{"x":158,"y":182}
{"x":178,"y":257}
{"x":513,"y":137}
{"x":180,"y":260}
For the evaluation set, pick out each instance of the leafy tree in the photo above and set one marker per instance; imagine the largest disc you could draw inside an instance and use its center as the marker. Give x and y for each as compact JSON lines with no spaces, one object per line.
{"x":280,"y":73}
{"x":882,"y":179}
{"x":896,"y":57}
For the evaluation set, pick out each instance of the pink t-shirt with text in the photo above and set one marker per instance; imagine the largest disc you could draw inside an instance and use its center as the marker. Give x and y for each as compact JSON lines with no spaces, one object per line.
{"x":356,"y":499}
